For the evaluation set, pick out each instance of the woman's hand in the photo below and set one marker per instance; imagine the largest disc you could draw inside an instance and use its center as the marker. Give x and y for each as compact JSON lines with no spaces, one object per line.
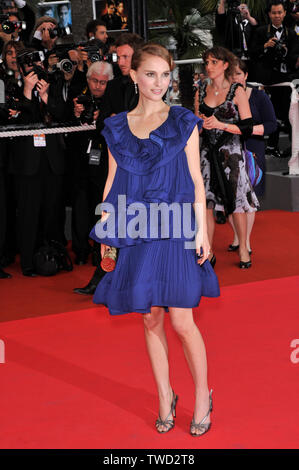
{"x":212,"y":123}
{"x":103,"y":249}
{"x":202,"y":247}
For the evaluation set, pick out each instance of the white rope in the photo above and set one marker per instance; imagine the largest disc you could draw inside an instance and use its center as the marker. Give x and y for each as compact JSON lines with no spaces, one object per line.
{"x":47,"y":130}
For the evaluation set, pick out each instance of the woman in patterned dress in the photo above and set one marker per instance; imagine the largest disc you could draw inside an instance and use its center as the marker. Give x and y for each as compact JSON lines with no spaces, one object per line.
{"x":227,"y":118}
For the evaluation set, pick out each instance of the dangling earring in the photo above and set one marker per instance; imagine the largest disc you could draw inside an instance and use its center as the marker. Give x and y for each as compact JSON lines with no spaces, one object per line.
{"x":136,"y":88}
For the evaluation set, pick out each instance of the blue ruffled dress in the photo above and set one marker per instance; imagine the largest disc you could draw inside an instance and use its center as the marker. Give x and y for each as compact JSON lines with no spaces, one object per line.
{"x":152,"y":268}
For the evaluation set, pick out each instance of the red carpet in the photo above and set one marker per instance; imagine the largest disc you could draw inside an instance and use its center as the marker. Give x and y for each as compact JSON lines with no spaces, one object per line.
{"x":82,"y":379}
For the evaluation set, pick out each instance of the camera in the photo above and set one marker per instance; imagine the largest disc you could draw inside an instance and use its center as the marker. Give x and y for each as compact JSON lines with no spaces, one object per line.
{"x":98,"y":51}
{"x":61,"y":51}
{"x":233,"y":5}
{"x":58,"y":32}
{"x":30,"y":59}
{"x":9,"y":27}
{"x":89,"y":108}
{"x":279,"y":50}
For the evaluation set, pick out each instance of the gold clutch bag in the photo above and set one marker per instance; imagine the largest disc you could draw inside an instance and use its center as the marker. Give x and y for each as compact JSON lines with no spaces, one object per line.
{"x":108,"y":262}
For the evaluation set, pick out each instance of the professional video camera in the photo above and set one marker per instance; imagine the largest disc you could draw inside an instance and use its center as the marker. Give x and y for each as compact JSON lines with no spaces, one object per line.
{"x":89,"y":108}
{"x":98,"y":51}
{"x":30,"y":59}
{"x":9,"y":27}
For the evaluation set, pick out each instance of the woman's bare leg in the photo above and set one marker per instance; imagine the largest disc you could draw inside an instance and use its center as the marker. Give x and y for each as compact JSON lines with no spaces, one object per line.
{"x":250,"y":223}
{"x":195,"y":353}
{"x":236,"y":239}
{"x":157,"y":348}
{"x":240,"y":223}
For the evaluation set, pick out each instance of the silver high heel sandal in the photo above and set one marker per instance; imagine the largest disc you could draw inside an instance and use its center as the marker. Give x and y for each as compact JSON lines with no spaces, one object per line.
{"x":203,"y":427}
{"x":168,"y":423}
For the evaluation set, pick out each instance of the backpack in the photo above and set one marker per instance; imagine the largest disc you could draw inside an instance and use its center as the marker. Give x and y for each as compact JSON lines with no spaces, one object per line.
{"x":51,"y":258}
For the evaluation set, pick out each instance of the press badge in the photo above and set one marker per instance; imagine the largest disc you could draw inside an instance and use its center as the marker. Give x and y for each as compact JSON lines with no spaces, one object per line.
{"x":94,"y":157}
{"x":39,"y":140}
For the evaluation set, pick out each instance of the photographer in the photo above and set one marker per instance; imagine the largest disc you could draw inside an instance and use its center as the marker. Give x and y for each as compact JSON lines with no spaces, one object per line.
{"x":8,"y":113}
{"x":10,"y":74}
{"x":292,"y":16}
{"x":3,"y":199}
{"x":121,"y":94}
{"x":43,"y":39}
{"x":234,"y":20}
{"x":96,"y":29}
{"x":89,"y":161}
{"x":37,"y":162}
{"x":274,"y":50}
{"x":23,"y":18}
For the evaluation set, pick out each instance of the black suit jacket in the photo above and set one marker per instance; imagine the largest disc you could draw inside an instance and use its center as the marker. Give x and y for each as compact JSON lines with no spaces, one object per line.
{"x":262,"y":35}
{"x":24,"y":157}
{"x":231,"y":32}
{"x":119,"y":96}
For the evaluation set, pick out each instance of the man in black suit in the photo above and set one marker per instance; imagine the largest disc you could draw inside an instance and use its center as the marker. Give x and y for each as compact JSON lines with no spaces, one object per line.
{"x":3,"y":215}
{"x":37,"y":163}
{"x":120,"y":93}
{"x":274,"y":50}
{"x":120,"y":96}
{"x":89,"y":160}
{"x":236,"y":27}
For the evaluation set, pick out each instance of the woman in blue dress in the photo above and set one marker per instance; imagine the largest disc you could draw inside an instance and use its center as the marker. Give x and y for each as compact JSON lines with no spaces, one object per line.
{"x":154,"y":160}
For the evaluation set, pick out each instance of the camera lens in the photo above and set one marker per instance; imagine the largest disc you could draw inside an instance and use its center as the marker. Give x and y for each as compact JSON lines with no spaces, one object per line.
{"x":66,"y":65}
{"x":94,"y":57}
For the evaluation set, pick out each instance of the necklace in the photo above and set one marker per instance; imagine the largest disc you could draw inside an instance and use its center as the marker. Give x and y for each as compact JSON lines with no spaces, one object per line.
{"x":216,"y":92}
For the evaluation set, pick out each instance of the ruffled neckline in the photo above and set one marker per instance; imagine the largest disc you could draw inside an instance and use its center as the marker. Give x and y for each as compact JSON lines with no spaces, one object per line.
{"x":154,"y":131}
{"x":142,"y":156}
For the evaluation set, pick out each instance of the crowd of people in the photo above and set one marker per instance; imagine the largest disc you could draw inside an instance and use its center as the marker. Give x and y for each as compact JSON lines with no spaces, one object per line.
{"x":50,"y":80}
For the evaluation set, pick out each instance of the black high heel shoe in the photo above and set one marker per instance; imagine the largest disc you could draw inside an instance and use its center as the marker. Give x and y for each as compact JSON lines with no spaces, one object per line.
{"x":233,"y":247}
{"x":168,"y":423}
{"x":203,"y":427}
{"x":245,"y":264}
